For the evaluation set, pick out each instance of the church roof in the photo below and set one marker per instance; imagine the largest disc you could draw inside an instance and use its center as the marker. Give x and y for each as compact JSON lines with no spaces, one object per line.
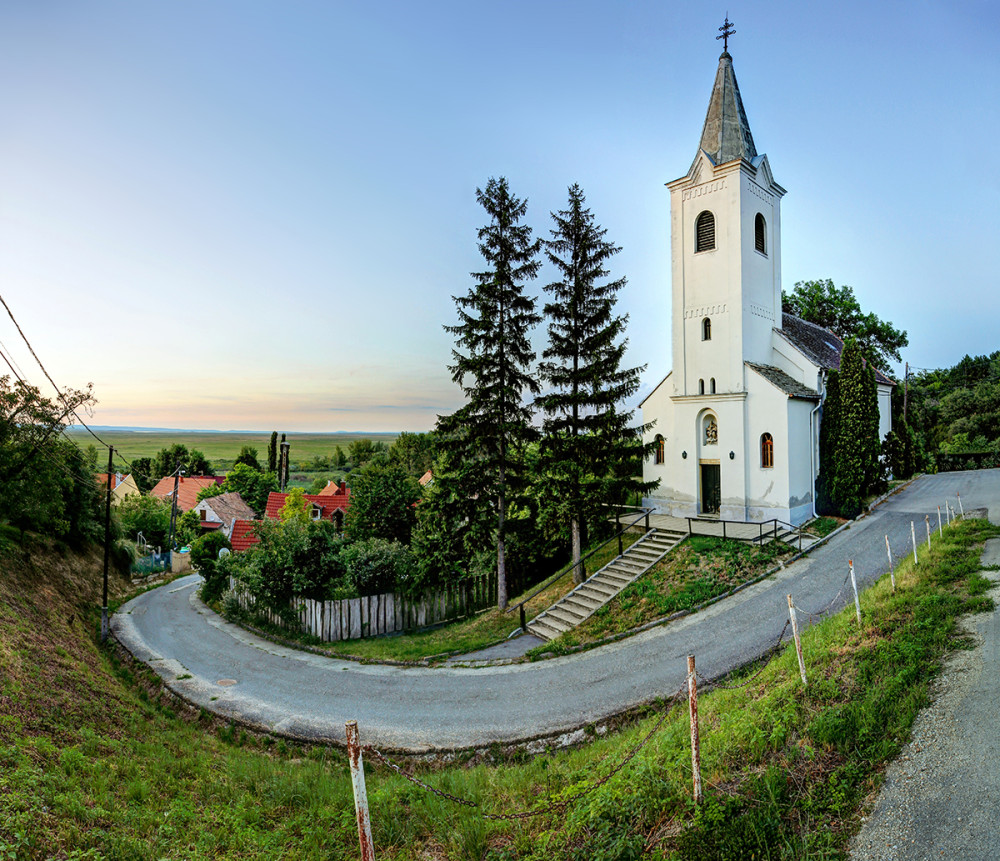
{"x":821,"y":346}
{"x":726,"y":133}
{"x":777,"y":377}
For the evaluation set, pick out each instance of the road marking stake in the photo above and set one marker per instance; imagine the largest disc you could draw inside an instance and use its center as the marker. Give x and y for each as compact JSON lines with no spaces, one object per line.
{"x":695,"y":745}
{"x":892,"y":574}
{"x":913,"y":535}
{"x":939,"y":522}
{"x":854,"y":586}
{"x":360,"y":795}
{"x":961,"y":507}
{"x":927,"y":523}
{"x":798,"y":641}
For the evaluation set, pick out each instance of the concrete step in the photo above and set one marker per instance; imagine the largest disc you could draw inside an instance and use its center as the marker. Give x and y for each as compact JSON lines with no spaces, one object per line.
{"x":543,"y":631}
{"x":587,"y":598}
{"x":597,"y":590}
{"x":560,"y":613}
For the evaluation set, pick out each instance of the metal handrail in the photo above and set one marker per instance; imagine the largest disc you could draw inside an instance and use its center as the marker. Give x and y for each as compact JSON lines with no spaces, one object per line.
{"x":645,"y":512}
{"x":772,"y":529}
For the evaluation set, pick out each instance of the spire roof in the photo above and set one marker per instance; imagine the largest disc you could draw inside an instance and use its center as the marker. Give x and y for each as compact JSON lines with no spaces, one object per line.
{"x":726,"y":134}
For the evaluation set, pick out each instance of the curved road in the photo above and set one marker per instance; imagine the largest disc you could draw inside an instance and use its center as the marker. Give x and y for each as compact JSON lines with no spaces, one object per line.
{"x":310,"y":697}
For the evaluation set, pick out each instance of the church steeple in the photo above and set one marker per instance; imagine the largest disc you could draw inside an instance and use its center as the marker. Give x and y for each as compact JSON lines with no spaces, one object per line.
{"x":726,"y":133}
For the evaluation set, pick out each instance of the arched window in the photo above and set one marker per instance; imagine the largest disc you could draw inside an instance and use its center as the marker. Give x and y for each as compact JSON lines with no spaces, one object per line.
{"x":704,"y":232}
{"x":711,"y":385}
{"x":701,"y":387}
{"x":659,"y":454}
{"x":706,"y":329}
{"x":766,"y":451}
{"x":760,"y":234}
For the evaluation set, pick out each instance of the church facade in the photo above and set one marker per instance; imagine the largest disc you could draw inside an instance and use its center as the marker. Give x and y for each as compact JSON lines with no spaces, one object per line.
{"x":736,"y":422}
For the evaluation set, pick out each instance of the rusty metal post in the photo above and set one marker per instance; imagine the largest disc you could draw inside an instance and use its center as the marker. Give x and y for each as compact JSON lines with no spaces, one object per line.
{"x":927,"y":523}
{"x":892,"y":574}
{"x":360,"y":795}
{"x":854,"y":586}
{"x":798,"y":641}
{"x":960,"y":506}
{"x":647,"y":521}
{"x":913,"y":535}
{"x":524,"y":625}
{"x":940,"y":531}
{"x":695,"y":744}
{"x":618,"y":529}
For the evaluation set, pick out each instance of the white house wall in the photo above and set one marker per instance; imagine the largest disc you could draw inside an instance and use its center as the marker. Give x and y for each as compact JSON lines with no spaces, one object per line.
{"x":884,"y":410}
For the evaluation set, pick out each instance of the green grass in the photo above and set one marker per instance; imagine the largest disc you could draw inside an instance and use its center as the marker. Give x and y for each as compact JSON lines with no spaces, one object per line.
{"x":823,"y":526}
{"x":94,"y":766}
{"x":699,"y":569}
{"x":225,"y":446}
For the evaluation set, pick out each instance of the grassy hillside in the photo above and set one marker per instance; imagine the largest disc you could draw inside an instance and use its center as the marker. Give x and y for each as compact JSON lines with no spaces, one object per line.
{"x":224,"y":446}
{"x":93,"y":765}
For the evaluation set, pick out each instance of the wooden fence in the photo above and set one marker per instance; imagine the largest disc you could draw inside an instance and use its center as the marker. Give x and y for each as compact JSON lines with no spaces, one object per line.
{"x":375,"y":615}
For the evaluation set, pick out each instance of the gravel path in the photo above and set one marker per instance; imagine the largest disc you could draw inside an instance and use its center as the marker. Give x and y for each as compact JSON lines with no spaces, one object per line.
{"x":941,"y":797}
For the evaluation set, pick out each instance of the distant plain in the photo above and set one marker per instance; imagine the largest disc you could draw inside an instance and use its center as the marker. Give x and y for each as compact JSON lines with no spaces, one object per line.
{"x":222,"y":446}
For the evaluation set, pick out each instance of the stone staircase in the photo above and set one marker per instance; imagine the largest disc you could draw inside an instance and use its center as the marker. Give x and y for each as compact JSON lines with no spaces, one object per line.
{"x":594,"y":593}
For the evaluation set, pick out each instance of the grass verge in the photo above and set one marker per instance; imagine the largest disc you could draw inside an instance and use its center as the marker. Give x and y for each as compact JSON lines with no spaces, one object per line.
{"x":93,"y":765}
{"x":697,"y":570}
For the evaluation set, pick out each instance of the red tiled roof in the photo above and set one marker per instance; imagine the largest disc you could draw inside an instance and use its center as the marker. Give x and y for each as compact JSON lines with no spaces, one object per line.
{"x":426,"y":478}
{"x":328,"y":504}
{"x":334,"y":489}
{"x":116,"y":479}
{"x":187,"y":489}
{"x":244,"y":535}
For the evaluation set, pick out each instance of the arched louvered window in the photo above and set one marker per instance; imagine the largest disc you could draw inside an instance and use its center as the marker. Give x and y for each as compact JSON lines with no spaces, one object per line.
{"x":706,"y":329}
{"x":704,"y":231}
{"x":760,"y":234}
{"x":711,"y":385}
{"x":766,"y":451}
{"x":701,"y":387}
{"x":659,"y":455}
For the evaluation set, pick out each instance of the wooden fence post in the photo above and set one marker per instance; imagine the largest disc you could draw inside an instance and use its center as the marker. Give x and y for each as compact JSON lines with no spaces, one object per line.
{"x":854,"y":586}
{"x":940,"y":531}
{"x":913,"y":535}
{"x":927,"y":523}
{"x":892,"y":573}
{"x":960,"y":506}
{"x":360,"y":795}
{"x":798,"y":641}
{"x":695,"y":744}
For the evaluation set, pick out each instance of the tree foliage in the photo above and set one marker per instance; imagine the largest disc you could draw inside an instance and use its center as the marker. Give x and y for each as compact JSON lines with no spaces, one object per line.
{"x":253,"y":486}
{"x":413,"y":452}
{"x":491,"y":363}
{"x":148,"y":515}
{"x":837,"y":309}
{"x":590,"y":449}
{"x":46,"y":484}
{"x":272,"y":453}
{"x":248,"y":456}
{"x":849,"y":436}
{"x":382,"y":503}
{"x":167,"y":460}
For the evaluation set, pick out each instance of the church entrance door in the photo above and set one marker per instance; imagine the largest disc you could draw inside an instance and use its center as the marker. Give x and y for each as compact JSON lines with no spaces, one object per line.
{"x":711,"y":488}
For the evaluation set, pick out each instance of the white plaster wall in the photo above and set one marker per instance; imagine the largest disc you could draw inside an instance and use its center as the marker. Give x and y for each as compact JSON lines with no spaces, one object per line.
{"x":801,"y":485}
{"x":884,"y":410}
{"x":767,"y":409}
{"x":658,"y":409}
{"x":759,"y":273}
{"x":793,"y":363}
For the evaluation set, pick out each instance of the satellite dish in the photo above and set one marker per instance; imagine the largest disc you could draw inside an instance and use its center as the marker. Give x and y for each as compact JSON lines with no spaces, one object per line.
{"x":224,"y":551}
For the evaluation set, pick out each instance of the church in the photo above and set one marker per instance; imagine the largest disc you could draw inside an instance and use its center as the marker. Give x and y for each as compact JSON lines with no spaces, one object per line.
{"x":736,"y":421}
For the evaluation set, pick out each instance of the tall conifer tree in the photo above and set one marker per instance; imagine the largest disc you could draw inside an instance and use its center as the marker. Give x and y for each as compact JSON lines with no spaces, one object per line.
{"x":491,"y":363}
{"x":272,"y":453}
{"x":590,"y":450}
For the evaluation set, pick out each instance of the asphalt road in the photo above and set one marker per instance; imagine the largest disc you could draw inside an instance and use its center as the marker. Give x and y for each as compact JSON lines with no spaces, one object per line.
{"x":421,"y":709}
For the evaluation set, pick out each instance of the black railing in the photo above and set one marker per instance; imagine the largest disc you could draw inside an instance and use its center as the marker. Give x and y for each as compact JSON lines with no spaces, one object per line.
{"x":770,"y":532}
{"x":643,"y":515}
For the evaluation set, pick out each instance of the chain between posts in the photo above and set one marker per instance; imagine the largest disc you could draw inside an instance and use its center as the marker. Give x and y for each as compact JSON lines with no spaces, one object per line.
{"x":549,"y":808}
{"x":819,"y":613}
{"x":757,"y":672}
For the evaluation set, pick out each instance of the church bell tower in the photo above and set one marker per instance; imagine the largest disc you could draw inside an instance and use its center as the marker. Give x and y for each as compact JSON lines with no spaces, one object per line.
{"x":725,"y":249}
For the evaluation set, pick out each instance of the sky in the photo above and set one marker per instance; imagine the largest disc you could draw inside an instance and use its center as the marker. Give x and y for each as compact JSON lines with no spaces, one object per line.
{"x":254,"y":215}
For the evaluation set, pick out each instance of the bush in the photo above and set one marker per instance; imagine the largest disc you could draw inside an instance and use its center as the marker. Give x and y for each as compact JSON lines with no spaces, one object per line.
{"x":205,"y":557}
{"x":376,"y":565}
{"x":146,"y":514}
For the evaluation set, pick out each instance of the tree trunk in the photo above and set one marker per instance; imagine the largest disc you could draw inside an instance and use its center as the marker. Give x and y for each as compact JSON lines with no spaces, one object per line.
{"x":579,"y":575}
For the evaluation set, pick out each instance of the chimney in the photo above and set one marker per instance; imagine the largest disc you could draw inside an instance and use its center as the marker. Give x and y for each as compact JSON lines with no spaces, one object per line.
{"x":343,"y":486}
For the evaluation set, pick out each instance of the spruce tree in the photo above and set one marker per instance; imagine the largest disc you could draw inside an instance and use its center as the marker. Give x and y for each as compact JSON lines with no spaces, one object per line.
{"x":491,"y":362}
{"x":589,"y":447}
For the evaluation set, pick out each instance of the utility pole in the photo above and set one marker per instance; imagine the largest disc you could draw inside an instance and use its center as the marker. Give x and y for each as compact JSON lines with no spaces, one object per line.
{"x":173,"y":509}
{"x":107,"y":547}
{"x":283,"y":469}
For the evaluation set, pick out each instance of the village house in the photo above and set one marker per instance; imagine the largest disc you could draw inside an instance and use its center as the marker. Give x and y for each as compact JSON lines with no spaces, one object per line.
{"x":221,"y":512}
{"x":121,"y":486}
{"x":188,"y":488}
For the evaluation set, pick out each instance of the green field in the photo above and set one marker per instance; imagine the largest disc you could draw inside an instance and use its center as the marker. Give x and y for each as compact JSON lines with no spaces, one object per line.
{"x":224,"y":446}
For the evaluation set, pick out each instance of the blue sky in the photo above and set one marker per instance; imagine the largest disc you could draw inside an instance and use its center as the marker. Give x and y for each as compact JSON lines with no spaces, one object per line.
{"x":254,"y":215}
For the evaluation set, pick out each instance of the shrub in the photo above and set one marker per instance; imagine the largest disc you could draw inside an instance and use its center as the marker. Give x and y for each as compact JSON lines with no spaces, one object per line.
{"x":376,"y":565}
{"x":205,"y":557}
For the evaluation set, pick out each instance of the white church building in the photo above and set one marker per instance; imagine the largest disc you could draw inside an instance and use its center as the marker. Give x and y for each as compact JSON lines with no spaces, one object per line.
{"x":736,"y":422}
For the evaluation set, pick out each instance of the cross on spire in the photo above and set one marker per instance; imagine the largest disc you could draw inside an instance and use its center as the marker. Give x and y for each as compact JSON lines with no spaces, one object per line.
{"x":727,"y":31}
